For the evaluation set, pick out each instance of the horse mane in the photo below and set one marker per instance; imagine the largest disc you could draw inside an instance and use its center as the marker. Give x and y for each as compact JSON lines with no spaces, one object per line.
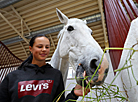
{"x":60,"y":33}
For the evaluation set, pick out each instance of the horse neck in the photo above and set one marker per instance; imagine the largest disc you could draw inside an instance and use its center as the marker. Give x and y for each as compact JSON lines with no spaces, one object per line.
{"x":59,"y":63}
{"x":55,"y":60}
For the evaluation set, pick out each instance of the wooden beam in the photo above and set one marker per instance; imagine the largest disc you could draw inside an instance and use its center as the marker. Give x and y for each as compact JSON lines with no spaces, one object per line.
{"x":63,"y":6}
{"x":9,"y":14}
{"x":24,"y":49}
{"x":103,"y":24}
{"x":34,"y":8}
{"x":52,"y":41}
{"x":22,"y":27}
{"x":14,"y":29}
{"x":17,"y":46}
{"x":10,"y":31}
{"x":43,"y":23}
{"x":11,"y":20}
{"x":20,"y":18}
{"x":8,"y":37}
{"x":71,"y":12}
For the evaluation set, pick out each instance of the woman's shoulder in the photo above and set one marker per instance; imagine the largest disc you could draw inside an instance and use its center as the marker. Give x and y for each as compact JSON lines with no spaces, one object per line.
{"x":13,"y":75}
{"x":54,"y":69}
{"x":15,"y":72}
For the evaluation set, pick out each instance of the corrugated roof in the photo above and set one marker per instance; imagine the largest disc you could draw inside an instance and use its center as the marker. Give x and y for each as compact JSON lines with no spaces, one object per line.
{"x":19,"y":21}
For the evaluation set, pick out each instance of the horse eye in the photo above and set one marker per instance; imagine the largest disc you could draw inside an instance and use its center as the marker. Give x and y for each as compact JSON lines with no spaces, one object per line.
{"x":70,"y":28}
{"x":91,"y":33}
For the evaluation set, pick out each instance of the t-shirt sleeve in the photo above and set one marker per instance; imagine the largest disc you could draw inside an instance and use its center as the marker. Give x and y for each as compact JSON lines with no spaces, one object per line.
{"x":4,"y":93}
{"x":61,"y":93}
{"x":71,"y":97}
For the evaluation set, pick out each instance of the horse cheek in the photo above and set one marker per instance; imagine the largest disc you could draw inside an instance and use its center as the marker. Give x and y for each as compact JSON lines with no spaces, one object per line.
{"x":64,"y":50}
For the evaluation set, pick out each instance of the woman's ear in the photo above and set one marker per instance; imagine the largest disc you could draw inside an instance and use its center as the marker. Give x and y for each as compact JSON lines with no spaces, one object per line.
{"x":30,"y":48}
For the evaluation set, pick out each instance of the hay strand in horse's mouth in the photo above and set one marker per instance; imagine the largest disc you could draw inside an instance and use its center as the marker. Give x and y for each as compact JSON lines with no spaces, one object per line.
{"x":81,"y":77}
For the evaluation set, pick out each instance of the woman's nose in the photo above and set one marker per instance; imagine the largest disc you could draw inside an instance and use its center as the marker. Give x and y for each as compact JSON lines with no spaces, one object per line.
{"x":43,"y":49}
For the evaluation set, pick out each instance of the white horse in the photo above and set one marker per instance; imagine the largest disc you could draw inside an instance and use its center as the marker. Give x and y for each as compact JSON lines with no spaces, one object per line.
{"x":77,"y":47}
{"x":127,"y":79}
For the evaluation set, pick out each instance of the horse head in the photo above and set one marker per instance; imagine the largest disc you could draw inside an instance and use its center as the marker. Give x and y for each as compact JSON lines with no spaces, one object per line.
{"x":84,"y":53}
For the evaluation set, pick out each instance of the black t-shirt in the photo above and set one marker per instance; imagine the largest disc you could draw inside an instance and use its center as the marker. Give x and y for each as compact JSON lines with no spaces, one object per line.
{"x":33,"y":84}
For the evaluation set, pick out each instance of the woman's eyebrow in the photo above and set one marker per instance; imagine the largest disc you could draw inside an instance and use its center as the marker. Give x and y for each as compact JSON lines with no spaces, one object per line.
{"x":47,"y":44}
{"x":43,"y":44}
{"x":39,"y":44}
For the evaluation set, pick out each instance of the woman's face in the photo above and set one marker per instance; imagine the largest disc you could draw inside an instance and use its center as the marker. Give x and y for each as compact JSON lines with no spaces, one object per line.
{"x":40,"y":49}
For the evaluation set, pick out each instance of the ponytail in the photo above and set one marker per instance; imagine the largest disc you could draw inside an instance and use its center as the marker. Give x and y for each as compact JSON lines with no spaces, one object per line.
{"x":28,"y":60}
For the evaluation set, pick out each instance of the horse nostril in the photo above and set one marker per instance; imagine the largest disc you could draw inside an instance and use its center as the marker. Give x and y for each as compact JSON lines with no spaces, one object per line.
{"x":93,"y":65}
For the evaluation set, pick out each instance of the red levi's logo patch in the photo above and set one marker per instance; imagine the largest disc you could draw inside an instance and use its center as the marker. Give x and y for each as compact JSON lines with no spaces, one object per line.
{"x":34,"y":87}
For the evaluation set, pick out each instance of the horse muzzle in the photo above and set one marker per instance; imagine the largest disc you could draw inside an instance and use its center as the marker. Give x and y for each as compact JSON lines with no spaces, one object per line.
{"x":95,"y":74}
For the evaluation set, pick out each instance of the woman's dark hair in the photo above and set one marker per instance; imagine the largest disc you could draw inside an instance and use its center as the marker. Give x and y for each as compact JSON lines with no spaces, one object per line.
{"x":34,"y":37}
{"x":30,"y":58}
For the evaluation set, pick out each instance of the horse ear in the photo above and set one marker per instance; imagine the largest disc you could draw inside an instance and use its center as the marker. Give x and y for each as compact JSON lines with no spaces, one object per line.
{"x":63,"y":18}
{"x":85,"y":21}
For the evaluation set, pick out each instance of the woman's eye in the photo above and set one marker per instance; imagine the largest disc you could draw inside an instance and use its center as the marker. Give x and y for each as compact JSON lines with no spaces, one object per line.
{"x":39,"y":46}
{"x":47,"y":47}
{"x":70,"y":28}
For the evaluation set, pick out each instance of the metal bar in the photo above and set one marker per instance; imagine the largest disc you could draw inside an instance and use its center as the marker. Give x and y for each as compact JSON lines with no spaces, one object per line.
{"x":103,"y":24}
{"x":20,"y":18}
{"x":121,"y":17}
{"x":14,"y":28}
{"x":128,"y":10}
{"x":24,"y":49}
{"x":124,"y":15}
{"x":109,"y":28}
{"x":3,"y":72}
{"x":113,"y":31}
{"x":22,"y":26}
{"x":5,"y":3}
{"x":52,"y":41}
{"x":114,"y":21}
{"x":122,"y":32}
{"x":133,"y":7}
{"x":9,"y":14}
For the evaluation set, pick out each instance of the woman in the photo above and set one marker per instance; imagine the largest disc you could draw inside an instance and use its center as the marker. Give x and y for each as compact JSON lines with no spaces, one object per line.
{"x":35,"y":80}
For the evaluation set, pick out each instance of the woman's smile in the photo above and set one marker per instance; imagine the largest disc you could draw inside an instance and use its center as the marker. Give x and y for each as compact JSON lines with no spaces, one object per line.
{"x":43,"y":55}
